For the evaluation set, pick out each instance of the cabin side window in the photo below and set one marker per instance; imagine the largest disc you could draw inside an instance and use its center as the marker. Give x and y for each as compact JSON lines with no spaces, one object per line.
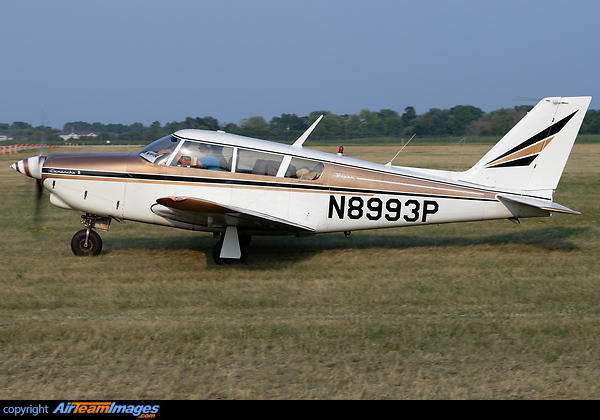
{"x":258,"y":163}
{"x":194,"y":154}
{"x":304,"y":169}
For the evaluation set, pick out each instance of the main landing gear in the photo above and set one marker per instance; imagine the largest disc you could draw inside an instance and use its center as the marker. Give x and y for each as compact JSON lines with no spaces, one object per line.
{"x":231,"y":247}
{"x":86,"y":241}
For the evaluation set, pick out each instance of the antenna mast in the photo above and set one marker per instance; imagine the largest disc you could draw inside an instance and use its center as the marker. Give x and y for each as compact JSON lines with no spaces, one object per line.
{"x":390,"y":162}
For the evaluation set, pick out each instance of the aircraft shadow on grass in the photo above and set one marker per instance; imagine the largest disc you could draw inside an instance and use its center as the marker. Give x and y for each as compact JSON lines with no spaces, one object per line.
{"x":290,"y":250}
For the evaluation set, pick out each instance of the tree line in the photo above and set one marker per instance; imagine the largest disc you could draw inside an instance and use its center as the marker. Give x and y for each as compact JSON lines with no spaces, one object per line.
{"x":461,"y":120}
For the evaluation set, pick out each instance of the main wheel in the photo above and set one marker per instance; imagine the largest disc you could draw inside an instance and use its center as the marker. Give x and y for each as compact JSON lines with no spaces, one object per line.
{"x":78,"y":245}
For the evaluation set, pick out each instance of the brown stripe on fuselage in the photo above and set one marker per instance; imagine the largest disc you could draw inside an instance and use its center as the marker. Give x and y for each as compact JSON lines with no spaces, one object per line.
{"x":371,"y":180}
{"x":334,"y":176}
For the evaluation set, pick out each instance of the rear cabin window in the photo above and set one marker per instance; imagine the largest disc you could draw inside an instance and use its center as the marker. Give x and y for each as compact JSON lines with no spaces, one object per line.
{"x":258,"y":163}
{"x":304,"y":169}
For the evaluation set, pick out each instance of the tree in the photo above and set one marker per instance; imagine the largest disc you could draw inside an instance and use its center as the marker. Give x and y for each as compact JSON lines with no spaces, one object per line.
{"x":116,"y":128}
{"x":287,"y":124}
{"x":210,"y":123}
{"x":255,"y":127}
{"x":155,"y":130}
{"x":330,"y":126}
{"x":232,"y":128}
{"x":370,"y":123}
{"x":447,"y":122}
{"x":20,"y":125}
{"x":497,"y":122}
{"x":392,"y":123}
{"x":409,"y":115}
{"x":137,"y":128}
{"x":591,"y":122}
{"x":352,"y":126}
{"x":460,"y":116}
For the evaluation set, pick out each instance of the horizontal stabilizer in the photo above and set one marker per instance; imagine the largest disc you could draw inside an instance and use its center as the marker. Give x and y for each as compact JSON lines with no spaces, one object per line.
{"x":537,"y":203}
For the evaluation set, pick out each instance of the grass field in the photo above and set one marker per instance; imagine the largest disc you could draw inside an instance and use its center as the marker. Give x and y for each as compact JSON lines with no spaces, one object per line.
{"x":482,"y":310}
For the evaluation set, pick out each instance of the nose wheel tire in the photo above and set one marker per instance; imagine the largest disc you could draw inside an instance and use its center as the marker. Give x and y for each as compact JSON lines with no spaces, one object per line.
{"x":81,"y":248}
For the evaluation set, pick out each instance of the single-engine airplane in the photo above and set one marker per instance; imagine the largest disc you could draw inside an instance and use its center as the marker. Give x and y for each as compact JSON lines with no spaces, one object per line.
{"x":237,"y":186}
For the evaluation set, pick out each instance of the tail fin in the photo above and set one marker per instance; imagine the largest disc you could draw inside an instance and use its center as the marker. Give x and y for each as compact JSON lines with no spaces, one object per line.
{"x":532,"y":156}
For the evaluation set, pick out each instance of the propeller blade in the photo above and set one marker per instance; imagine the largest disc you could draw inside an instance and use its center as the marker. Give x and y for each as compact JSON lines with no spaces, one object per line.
{"x":32,"y":167}
{"x":39,"y":190}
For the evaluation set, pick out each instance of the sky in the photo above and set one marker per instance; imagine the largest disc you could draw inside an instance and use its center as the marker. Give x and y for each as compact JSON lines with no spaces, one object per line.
{"x":127,"y":61}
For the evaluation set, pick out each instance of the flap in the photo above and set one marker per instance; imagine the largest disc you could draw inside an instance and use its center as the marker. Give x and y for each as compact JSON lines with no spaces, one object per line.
{"x":195,"y":210}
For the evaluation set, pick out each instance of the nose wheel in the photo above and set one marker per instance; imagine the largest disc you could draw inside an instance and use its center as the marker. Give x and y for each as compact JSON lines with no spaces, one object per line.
{"x":86,"y":242}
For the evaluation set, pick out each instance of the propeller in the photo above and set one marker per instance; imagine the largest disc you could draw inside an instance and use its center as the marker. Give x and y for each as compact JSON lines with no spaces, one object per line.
{"x":32,"y":167}
{"x":39,"y":191}
{"x":39,"y":188}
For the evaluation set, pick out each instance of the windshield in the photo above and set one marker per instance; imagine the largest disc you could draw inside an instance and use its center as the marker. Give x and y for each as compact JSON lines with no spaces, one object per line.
{"x":159,"y":151}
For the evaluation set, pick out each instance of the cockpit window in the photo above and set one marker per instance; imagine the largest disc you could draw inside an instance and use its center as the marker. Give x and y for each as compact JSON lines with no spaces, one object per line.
{"x":202,"y":155}
{"x":159,"y":151}
{"x":304,"y":169}
{"x":193,"y":154}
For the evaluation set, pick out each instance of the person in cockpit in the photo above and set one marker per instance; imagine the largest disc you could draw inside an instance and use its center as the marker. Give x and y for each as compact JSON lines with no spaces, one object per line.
{"x":212,"y":159}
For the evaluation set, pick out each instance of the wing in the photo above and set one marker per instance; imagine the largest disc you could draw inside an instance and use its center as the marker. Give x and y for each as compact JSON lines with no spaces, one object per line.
{"x":208,"y":213}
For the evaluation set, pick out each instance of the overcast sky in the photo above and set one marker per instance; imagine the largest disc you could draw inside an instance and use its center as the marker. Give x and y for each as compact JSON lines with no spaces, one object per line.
{"x":126,"y":61}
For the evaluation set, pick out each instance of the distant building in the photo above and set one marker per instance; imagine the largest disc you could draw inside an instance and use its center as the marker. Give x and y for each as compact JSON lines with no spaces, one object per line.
{"x":75,"y":136}
{"x":4,"y":137}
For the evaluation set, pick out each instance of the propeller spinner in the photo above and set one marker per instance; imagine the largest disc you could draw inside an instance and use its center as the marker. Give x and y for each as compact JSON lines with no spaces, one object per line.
{"x":32,"y":167}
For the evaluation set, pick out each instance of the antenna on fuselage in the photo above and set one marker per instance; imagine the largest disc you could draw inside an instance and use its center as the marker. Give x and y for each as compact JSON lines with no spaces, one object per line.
{"x":304,"y":136}
{"x":390,"y":162}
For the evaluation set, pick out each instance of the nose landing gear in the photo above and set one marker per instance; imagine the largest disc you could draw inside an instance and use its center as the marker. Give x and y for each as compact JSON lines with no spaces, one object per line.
{"x":86,"y":241}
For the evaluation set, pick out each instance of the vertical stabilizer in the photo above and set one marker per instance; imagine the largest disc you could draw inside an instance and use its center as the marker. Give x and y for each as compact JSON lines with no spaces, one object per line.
{"x":532,"y":156}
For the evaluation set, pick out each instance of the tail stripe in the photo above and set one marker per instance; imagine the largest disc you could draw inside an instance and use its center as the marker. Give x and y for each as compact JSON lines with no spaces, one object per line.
{"x":542,"y":135}
{"x":524,"y":161}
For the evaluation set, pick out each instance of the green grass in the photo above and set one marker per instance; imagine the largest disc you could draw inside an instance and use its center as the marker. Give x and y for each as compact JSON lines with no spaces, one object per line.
{"x":482,"y":310}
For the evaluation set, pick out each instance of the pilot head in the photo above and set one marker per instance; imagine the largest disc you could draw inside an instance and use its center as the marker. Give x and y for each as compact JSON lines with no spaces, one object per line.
{"x":209,"y":149}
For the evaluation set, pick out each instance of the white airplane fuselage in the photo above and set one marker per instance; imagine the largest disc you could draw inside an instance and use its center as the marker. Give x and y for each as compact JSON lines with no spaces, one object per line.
{"x":349,"y":195}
